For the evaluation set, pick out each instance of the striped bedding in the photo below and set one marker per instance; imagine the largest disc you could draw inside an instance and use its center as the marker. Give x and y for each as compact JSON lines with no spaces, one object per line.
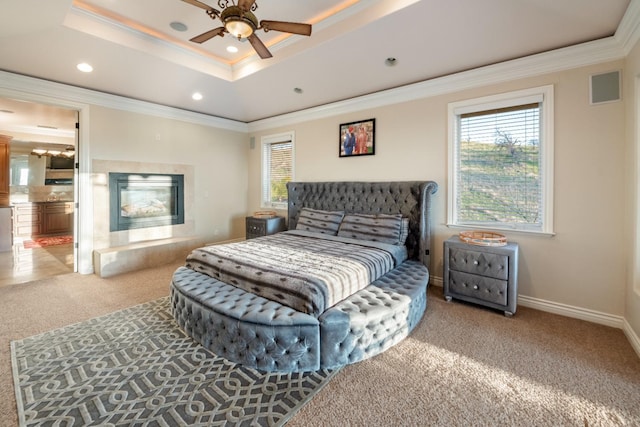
{"x":306,"y":271}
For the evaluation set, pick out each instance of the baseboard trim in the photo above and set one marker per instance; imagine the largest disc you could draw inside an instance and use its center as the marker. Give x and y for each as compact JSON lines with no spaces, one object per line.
{"x":572,"y":311}
{"x":632,"y":337}
{"x":436,"y":281}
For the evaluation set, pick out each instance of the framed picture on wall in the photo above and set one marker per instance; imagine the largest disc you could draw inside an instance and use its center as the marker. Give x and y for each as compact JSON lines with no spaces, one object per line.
{"x":357,"y":138}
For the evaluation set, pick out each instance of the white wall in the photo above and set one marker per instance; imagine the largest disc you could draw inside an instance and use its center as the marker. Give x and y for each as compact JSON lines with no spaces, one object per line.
{"x":583,"y":265}
{"x":214,"y":160}
{"x":591,"y":266}
{"x":632,"y":166}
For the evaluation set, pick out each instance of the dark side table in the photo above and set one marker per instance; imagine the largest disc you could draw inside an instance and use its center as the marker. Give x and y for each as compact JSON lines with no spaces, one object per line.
{"x":486,"y":275}
{"x":257,"y":227}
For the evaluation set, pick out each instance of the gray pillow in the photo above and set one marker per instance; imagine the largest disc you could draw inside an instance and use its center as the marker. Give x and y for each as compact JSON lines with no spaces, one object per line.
{"x":319,"y":221}
{"x":381,"y":228}
{"x":404,"y":231}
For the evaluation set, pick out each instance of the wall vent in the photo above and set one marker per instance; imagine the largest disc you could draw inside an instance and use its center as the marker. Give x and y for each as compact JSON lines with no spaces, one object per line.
{"x":605,"y":87}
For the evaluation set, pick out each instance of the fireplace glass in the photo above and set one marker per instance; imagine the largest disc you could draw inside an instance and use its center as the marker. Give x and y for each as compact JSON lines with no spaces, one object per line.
{"x":145,"y":200}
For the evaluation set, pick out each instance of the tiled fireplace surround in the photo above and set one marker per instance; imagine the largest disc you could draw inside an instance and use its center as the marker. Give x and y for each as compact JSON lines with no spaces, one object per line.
{"x":121,"y":251}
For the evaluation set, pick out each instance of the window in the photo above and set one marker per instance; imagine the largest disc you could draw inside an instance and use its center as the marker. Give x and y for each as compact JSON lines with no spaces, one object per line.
{"x":501,"y":161}
{"x":19,"y":169}
{"x":277,"y":169}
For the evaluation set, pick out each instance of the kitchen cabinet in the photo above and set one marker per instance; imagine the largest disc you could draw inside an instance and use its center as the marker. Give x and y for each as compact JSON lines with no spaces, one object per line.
{"x":4,"y":169}
{"x":42,"y":219}
{"x":57,"y":218}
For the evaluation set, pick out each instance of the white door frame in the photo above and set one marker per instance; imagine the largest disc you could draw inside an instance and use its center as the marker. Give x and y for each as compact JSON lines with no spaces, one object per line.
{"x":34,"y":90}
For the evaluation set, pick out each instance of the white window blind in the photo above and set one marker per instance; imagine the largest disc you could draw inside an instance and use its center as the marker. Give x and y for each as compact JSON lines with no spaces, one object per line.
{"x":499,"y":167}
{"x":277,"y":169}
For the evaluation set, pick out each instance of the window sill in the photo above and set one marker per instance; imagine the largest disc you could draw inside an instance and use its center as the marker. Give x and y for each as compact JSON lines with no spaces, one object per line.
{"x":272,"y":206}
{"x":502,"y":230}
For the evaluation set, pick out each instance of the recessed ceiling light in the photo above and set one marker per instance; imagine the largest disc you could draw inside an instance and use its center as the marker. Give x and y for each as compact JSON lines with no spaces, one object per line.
{"x":178,"y":26}
{"x":297,"y":90}
{"x":391,"y":61}
{"x":196,"y":96}
{"x":84,"y":67}
{"x":232,"y":49}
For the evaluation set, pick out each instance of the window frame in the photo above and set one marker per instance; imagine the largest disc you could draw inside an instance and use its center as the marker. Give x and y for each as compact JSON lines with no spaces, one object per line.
{"x":542,"y":94}
{"x":266,"y":142}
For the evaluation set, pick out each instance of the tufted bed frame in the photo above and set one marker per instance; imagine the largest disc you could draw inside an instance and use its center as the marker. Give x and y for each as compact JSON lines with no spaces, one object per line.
{"x":266,"y":335}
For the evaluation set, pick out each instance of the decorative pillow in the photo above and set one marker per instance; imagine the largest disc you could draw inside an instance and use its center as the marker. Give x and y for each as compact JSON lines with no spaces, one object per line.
{"x":404,"y":231}
{"x":318,"y":221}
{"x":381,"y":228}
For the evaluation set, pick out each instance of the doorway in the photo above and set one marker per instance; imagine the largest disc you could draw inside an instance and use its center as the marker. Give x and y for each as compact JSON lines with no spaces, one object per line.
{"x":43,"y":190}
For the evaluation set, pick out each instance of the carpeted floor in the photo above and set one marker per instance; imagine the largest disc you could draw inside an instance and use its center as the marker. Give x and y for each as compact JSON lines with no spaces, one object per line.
{"x":463,"y":365}
{"x":137,"y":366}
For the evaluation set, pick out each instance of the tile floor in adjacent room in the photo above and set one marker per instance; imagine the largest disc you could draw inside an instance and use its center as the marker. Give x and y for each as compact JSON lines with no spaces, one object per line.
{"x":22,"y":265}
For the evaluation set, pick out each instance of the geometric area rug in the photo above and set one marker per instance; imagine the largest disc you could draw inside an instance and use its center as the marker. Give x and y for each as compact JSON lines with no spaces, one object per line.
{"x":136,"y":367}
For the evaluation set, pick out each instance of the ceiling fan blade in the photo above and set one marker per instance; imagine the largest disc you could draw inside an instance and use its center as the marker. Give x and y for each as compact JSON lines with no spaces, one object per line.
{"x":198,"y":4}
{"x":287,"y":27}
{"x":246,"y":4}
{"x":208,"y":35}
{"x":259,"y":47}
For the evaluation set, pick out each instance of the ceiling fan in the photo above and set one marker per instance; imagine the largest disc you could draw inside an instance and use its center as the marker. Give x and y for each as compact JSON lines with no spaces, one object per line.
{"x":239,"y":21}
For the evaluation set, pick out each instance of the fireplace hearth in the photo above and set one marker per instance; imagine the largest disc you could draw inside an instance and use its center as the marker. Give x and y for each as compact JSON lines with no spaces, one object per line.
{"x":145,"y":200}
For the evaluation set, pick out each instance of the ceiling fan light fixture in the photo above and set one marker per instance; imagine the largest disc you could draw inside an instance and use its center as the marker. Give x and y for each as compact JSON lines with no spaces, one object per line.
{"x":238,"y":28}
{"x":238,"y":23}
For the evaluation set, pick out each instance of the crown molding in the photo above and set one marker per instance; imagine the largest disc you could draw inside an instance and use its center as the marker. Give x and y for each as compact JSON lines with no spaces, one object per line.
{"x":604,"y":50}
{"x":585,"y":54}
{"x":30,"y":88}
{"x":608,"y":49}
{"x":628,"y":32}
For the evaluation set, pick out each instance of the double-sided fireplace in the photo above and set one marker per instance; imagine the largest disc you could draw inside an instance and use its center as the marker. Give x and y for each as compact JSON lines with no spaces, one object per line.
{"x":145,"y":200}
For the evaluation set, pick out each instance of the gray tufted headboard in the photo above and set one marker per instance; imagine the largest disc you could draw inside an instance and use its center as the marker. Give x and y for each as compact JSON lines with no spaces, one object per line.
{"x":410,"y":198}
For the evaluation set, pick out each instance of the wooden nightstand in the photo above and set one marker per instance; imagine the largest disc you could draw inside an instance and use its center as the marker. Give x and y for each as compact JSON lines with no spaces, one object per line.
{"x":486,"y":275}
{"x":257,"y":227}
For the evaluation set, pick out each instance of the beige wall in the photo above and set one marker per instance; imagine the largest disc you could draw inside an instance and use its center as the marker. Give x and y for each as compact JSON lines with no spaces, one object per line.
{"x":631,"y":95}
{"x":583,"y":265}
{"x":214,"y":162}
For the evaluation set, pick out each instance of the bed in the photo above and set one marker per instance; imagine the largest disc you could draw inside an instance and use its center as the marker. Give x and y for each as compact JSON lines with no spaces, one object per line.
{"x":345,"y":282}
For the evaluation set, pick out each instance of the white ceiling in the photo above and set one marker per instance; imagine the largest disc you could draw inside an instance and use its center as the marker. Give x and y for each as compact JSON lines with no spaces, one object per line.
{"x":135,"y":53}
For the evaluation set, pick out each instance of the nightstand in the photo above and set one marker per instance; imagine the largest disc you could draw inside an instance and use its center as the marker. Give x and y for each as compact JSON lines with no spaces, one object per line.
{"x":257,"y":227}
{"x":486,"y":275}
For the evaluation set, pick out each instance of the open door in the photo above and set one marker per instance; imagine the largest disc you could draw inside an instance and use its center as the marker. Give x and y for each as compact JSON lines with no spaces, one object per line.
{"x":76,"y":175}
